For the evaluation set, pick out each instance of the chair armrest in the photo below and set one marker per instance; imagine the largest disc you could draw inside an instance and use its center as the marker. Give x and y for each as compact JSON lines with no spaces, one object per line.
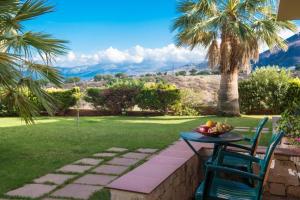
{"x":217,"y":168}
{"x":239,"y":146}
{"x":239,"y":155}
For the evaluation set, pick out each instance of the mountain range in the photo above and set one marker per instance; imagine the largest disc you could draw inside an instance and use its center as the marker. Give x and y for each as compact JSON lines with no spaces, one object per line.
{"x":288,"y":58}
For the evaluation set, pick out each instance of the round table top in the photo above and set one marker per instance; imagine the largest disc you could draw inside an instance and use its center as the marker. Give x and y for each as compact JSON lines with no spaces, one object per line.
{"x":225,"y":138}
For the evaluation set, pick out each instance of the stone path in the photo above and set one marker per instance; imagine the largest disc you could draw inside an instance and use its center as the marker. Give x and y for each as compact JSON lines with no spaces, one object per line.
{"x":81,"y":179}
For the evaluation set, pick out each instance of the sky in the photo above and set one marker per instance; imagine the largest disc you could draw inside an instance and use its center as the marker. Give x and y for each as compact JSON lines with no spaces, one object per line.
{"x":115,"y":31}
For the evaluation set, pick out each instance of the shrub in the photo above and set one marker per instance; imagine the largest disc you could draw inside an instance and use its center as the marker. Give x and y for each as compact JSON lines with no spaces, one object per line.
{"x":190,"y":103}
{"x":180,"y":73}
{"x":119,"y":96}
{"x":64,"y":98}
{"x":105,"y":77}
{"x":293,"y":93}
{"x":264,"y":91}
{"x":159,"y":97}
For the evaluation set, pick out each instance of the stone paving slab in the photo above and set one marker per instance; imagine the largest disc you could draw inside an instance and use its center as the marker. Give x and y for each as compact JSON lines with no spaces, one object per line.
{"x":117,"y":149}
{"x":57,"y":179}
{"x":242,"y":127}
{"x":147,"y":150}
{"x":105,"y":155}
{"x":74,"y":168}
{"x":110,"y":169}
{"x":135,"y":155}
{"x":241,"y":130}
{"x":77,"y":191}
{"x":123,"y":161}
{"x":95,"y":179}
{"x":89,"y":161}
{"x":32,"y":190}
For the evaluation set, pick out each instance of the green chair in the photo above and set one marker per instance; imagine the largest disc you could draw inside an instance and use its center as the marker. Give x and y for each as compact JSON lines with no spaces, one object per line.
{"x":215,"y":187}
{"x":250,"y":150}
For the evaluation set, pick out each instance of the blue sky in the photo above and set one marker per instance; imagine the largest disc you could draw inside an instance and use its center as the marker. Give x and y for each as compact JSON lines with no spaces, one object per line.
{"x":92,"y":25}
{"x":116,"y":32}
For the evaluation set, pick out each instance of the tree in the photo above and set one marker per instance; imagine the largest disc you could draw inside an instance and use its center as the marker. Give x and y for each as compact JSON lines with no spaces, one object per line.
{"x":104,"y":77}
{"x":241,"y":26}
{"x":180,"y":73}
{"x":121,"y":75}
{"x":20,"y":72}
{"x":193,"y":72}
{"x":72,"y":80}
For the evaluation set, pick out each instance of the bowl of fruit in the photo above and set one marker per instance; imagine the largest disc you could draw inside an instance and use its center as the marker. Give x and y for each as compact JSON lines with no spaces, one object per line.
{"x":214,"y":129}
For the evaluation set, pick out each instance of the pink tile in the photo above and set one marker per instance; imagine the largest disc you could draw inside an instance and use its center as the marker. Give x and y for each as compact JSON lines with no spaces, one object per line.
{"x":135,"y":183}
{"x":166,"y":160}
{"x":93,"y":179}
{"x":76,"y":191}
{"x":32,"y":190}
{"x":110,"y":169}
{"x":123,"y":161}
{"x":135,"y":155}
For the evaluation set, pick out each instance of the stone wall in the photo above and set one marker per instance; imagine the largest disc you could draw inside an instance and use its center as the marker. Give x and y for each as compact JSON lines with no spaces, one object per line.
{"x":284,"y":177}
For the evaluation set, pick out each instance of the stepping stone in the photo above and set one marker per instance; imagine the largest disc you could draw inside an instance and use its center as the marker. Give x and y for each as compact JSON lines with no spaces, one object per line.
{"x":74,"y":169}
{"x":123,"y":161}
{"x":89,"y":161}
{"x":116,"y":149}
{"x":105,"y":155}
{"x":147,"y":150}
{"x":94,"y":179}
{"x":242,"y":127}
{"x":77,"y":191}
{"x":57,"y":179}
{"x":135,"y":155}
{"x":32,"y":191}
{"x":241,"y":130}
{"x":110,"y":169}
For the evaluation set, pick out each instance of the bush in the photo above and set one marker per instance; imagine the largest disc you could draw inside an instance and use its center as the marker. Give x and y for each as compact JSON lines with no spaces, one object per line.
{"x":265,"y":91}
{"x":159,"y":97}
{"x":64,"y":98}
{"x":119,"y":96}
{"x":190,"y":103}
{"x":105,"y":77}
{"x":293,"y":93}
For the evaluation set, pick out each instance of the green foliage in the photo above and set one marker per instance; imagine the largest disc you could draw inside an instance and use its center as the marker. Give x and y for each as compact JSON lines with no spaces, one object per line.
{"x":193,"y":72}
{"x":64,"y":98}
{"x":103,"y":77}
{"x":265,"y":91}
{"x":180,"y":73}
{"x":290,"y":122}
{"x":19,"y":45}
{"x":159,"y":97}
{"x":189,"y":104}
{"x":204,"y":72}
{"x":117,"y":97}
{"x":72,"y":80}
{"x":293,"y":94}
{"x":121,"y":75}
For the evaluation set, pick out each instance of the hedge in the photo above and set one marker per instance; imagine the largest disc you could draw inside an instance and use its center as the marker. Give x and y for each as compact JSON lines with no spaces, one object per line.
{"x":268,"y":90}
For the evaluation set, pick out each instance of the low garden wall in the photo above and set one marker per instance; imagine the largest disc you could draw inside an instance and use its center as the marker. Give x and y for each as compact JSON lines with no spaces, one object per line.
{"x":180,"y":181}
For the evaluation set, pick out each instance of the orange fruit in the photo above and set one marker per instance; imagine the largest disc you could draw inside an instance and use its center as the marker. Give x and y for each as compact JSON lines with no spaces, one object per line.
{"x":210,"y":123}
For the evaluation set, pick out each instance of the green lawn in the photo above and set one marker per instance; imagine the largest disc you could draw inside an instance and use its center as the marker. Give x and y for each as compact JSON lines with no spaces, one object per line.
{"x":27,"y":152}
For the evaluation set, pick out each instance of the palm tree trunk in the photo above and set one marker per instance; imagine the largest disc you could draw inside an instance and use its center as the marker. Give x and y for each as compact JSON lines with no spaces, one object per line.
{"x":228,"y":99}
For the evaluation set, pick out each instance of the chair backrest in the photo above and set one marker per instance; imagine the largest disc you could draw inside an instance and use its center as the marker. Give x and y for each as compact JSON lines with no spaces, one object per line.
{"x":257,"y":135}
{"x":265,"y":163}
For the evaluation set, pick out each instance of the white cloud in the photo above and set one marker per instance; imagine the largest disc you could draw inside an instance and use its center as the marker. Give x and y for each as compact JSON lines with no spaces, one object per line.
{"x":159,"y":57}
{"x":142,"y":56}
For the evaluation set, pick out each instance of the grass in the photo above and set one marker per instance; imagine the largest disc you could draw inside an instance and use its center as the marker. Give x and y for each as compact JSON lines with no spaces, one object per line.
{"x":28,"y":152}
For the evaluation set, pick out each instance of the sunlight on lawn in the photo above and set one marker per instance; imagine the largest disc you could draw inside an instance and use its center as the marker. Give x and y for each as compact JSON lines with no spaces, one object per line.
{"x":11,"y":122}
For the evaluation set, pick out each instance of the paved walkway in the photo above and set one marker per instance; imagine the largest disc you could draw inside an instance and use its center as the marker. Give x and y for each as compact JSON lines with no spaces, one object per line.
{"x":83,"y":178}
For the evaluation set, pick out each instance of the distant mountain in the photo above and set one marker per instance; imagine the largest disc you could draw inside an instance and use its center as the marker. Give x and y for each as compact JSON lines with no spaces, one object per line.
{"x":288,"y":58}
{"x":89,"y":71}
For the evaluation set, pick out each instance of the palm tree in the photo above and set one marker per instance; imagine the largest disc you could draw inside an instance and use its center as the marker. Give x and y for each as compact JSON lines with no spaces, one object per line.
{"x":26,"y":57}
{"x":232,"y":31}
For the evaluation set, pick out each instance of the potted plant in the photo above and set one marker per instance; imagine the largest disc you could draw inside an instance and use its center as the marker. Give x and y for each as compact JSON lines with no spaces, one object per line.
{"x":290,"y":123}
